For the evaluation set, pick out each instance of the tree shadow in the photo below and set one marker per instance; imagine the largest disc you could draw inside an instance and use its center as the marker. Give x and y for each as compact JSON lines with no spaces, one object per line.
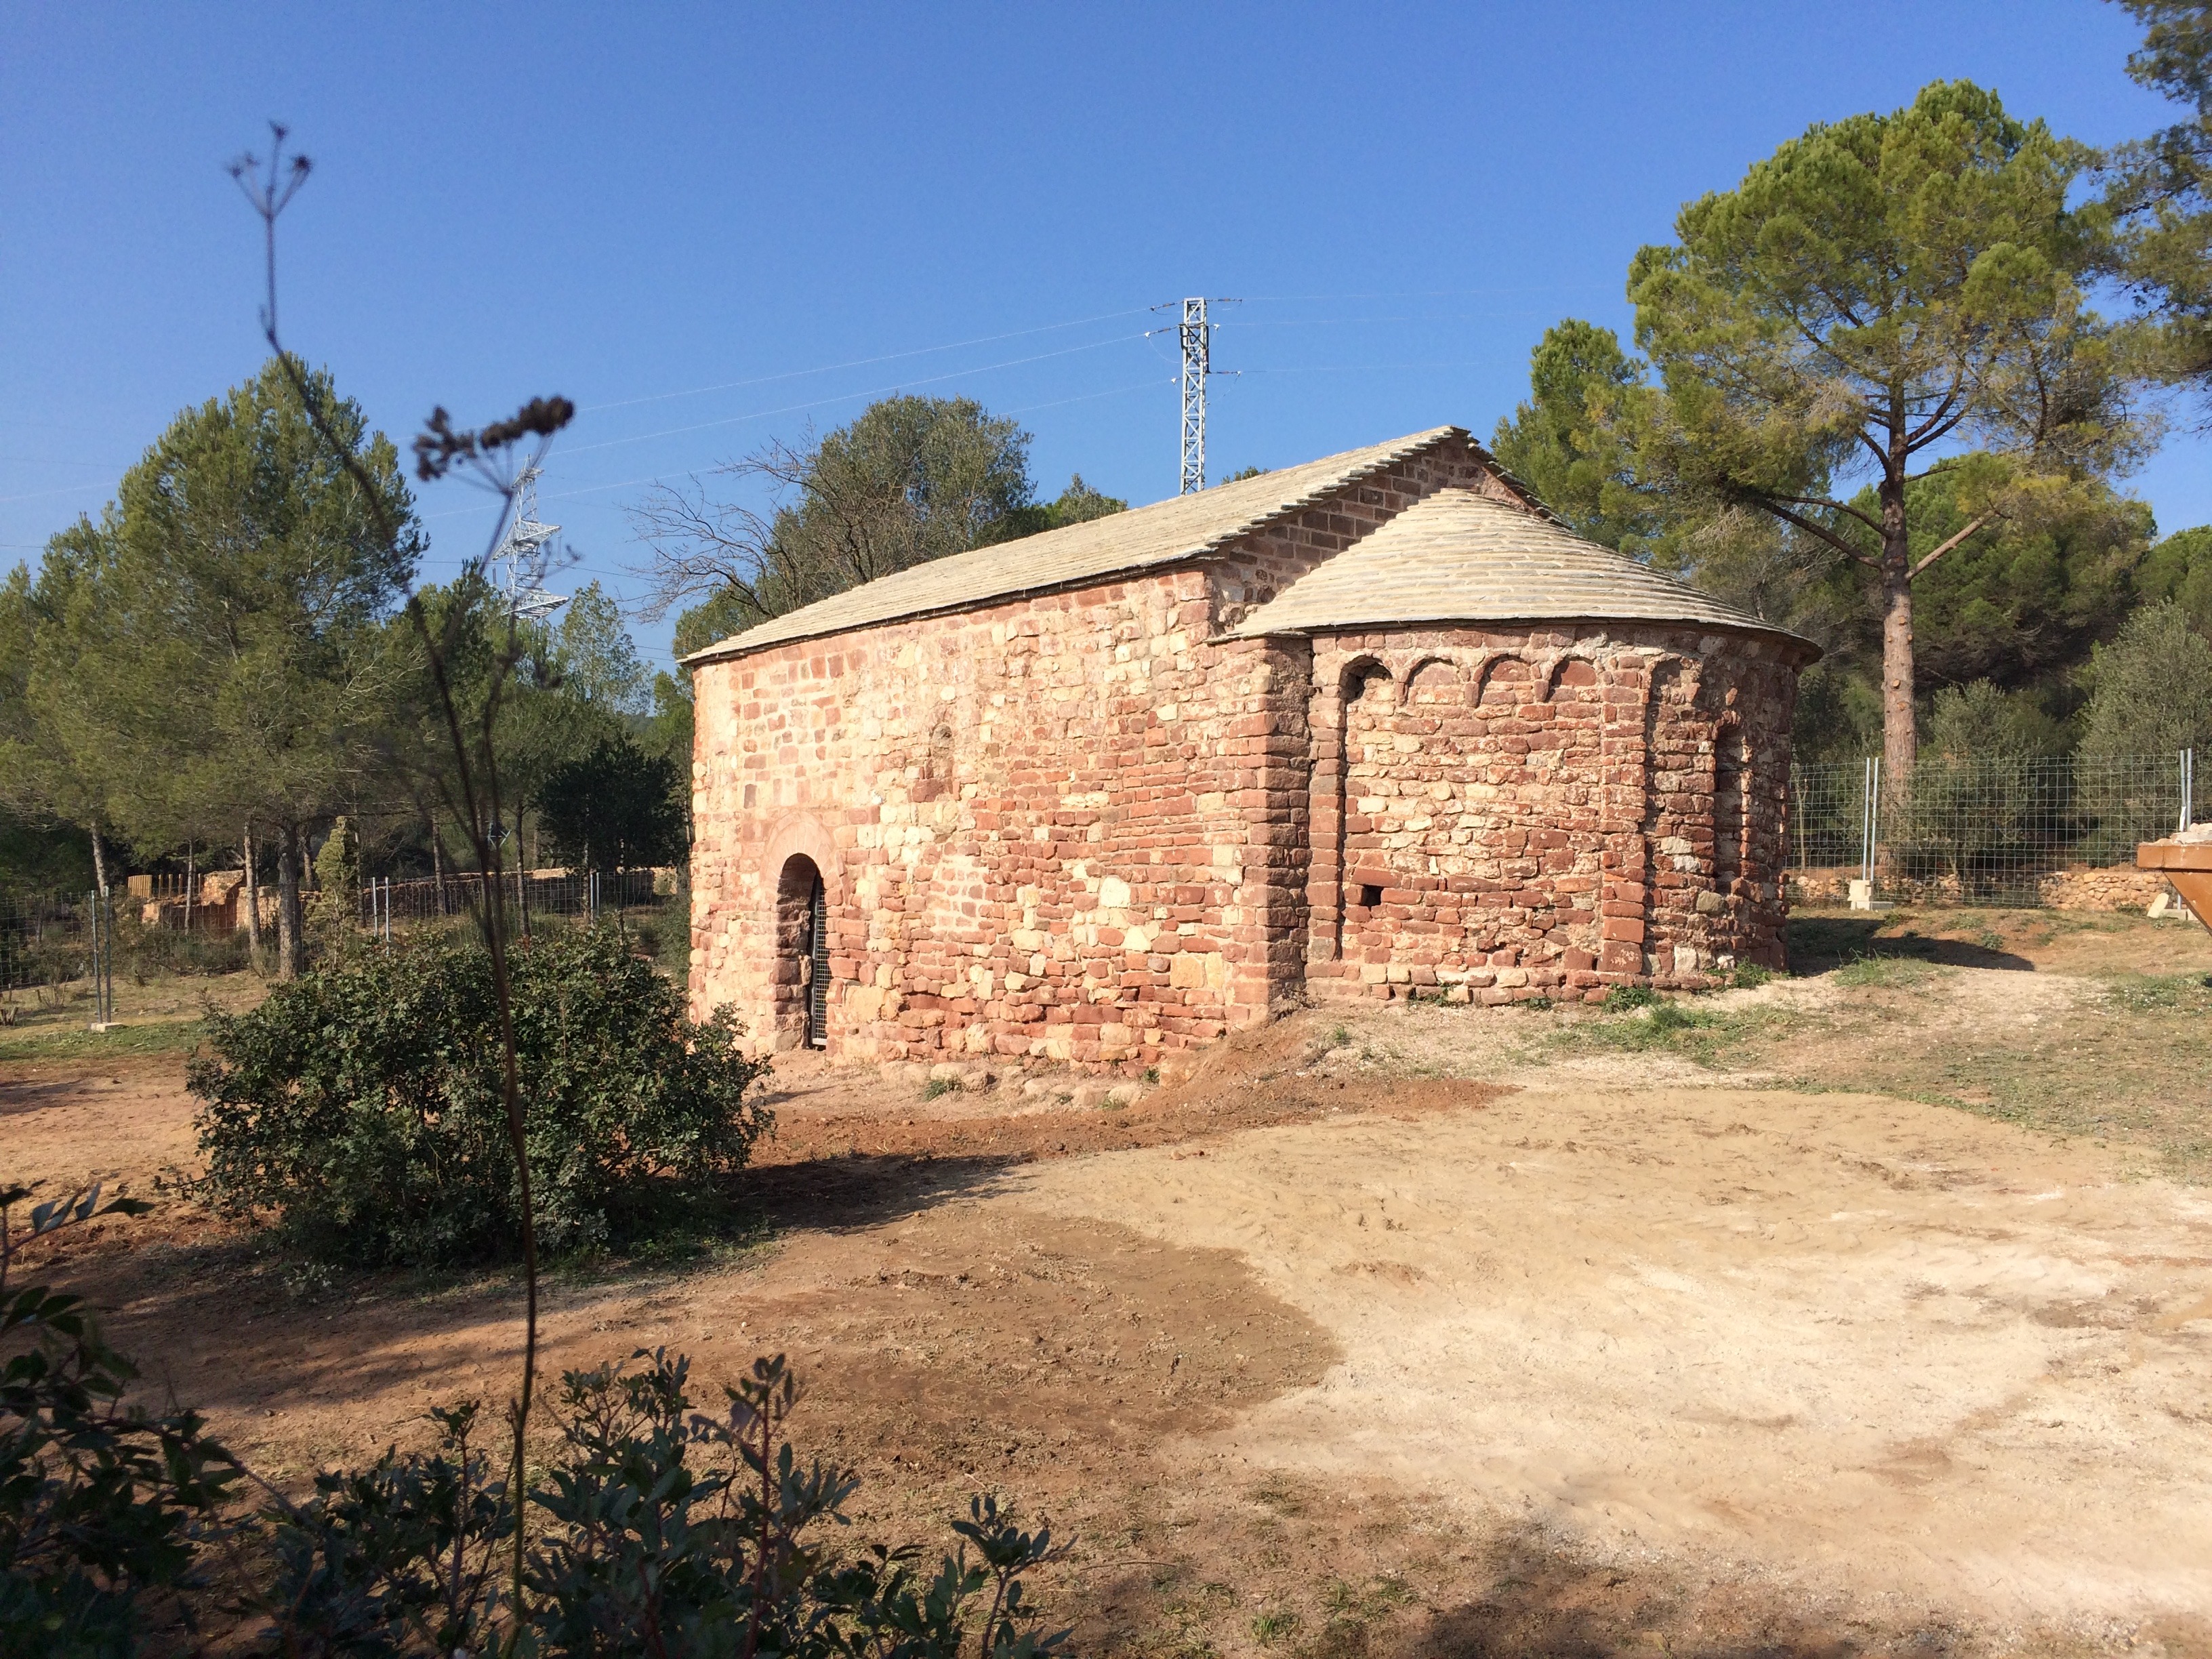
{"x":851,"y":1190}
{"x":1546,"y":1603}
{"x":1818,"y":944}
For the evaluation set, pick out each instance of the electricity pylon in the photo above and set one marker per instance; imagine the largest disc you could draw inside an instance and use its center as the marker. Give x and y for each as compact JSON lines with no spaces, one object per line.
{"x":520,"y":555}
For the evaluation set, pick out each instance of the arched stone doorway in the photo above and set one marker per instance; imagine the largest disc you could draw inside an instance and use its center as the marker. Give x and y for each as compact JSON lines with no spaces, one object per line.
{"x":802,"y":955}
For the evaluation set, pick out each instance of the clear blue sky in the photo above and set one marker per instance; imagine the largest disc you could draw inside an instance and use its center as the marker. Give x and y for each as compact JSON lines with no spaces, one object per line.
{"x":628,"y":204}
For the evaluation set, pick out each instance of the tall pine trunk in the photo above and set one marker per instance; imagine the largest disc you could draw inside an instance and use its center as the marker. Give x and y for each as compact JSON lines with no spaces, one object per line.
{"x":288,"y":903}
{"x":252,"y":894}
{"x":1900,"y":736}
{"x":99,"y":862}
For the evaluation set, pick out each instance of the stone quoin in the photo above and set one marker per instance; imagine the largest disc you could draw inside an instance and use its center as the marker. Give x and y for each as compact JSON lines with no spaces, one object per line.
{"x":1378,"y":726}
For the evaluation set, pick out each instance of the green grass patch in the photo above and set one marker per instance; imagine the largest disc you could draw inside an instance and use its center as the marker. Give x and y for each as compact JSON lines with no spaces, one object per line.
{"x":1272,"y":1626}
{"x":1701,"y":1036}
{"x":1885,"y":973}
{"x":170,"y":1036}
{"x":2161,"y":994}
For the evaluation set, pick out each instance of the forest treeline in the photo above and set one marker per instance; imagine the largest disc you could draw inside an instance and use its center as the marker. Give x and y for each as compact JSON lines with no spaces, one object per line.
{"x":218,"y":667}
{"x":1870,"y":396}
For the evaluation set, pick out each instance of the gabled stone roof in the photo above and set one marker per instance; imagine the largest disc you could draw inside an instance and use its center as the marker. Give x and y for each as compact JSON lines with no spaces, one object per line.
{"x":1180,"y":527}
{"x":1459,"y":556}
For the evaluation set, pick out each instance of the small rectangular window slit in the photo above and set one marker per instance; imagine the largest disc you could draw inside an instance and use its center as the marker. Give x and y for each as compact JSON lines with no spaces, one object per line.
{"x":1370,"y":897}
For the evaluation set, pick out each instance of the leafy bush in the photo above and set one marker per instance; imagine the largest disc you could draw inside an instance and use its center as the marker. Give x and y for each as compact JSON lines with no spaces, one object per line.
{"x":102,"y":1505}
{"x":147,"y":952}
{"x":657,"y":1530}
{"x":363,"y":1103}
{"x":1749,"y":976}
{"x":1626,"y":999}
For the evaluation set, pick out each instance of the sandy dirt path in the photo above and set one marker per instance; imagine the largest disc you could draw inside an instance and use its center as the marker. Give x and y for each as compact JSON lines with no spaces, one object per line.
{"x":1928,"y":1362}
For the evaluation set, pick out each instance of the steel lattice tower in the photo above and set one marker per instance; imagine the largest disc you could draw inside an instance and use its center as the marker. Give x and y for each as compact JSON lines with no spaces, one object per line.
{"x":1197,"y":340}
{"x":520,"y":555}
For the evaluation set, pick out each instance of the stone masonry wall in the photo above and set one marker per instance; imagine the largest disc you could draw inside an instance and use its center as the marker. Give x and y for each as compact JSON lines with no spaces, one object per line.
{"x":1060,"y":828}
{"x":1073,"y":827}
{"x":1504,"y":815}
{"x":1083,"y":827}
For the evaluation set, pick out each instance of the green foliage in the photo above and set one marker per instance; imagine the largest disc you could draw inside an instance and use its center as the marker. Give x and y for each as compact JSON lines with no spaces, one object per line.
{"x":144,"y":953}
{"x":1078,"y":504}
{"x":1877,"y":292}
{"x":1565,"y":442}
{"x":659,"y":1529}
{"x":1980,"y":722}
{"x":102,"y":1503}
{"x":1626,"y":999}
{"x":535,"y":697}
{"x":39,"y":855}
{"x":2152,"y":688}
{"x":1913,"y":269}
{"x":212,"y":648}
{"x":2180,"y":568}
{"x":592,"y":656}
{"x":668,"y":731}
{"x":912,"y":480}
{"x":2160,"y":187}
{"x":1748,"y":976}
{"x":656,"y":1528}
{"x":333,"y":913}
{"x":2022,"y":603}
{"x":363,"y":1104}
{"x":616,"y":808}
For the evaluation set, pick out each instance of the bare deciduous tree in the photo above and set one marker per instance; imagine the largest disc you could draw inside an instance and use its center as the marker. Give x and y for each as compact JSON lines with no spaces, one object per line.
{"x":911,"y":480}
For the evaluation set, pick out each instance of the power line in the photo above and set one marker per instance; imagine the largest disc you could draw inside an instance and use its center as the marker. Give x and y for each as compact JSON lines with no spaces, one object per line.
{"x":863,"y":362}
{"x":845,"y":396}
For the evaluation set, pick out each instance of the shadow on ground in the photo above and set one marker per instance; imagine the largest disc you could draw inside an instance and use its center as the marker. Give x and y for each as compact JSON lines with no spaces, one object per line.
{"x":1545,"y":1604}
{"x":840,"y":1191}
{"x":1818,"y":944}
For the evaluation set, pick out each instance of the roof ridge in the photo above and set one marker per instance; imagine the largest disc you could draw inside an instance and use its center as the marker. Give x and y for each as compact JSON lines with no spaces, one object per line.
{"x":941,"y":588}
{"x":1460,"y":555}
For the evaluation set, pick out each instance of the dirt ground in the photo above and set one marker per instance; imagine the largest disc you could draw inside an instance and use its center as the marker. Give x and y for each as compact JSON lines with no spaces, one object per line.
{"x":1865,"y":1311}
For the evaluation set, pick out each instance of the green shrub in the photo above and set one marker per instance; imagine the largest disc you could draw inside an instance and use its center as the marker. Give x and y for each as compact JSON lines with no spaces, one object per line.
{"x":147,"y":952}
{"x":654,"y":1529}
{"x":1628,"y":999}
{"x":363,"y":1103}
{"x":102,"y":1504}
{"x":1749,"y":976}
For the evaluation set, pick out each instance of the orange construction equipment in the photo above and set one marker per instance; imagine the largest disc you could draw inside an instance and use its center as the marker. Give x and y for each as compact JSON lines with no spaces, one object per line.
{"x":2188,"y":866}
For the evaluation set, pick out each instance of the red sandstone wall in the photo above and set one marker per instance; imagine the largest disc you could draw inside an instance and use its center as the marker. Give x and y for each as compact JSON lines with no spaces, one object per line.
{"x":1504,"y":815}
{"x":1063,"y":827}
{"x":1075,"y":828}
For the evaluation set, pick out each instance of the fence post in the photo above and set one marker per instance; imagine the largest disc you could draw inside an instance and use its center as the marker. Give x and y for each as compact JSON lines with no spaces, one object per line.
{"x":2188,"y":789}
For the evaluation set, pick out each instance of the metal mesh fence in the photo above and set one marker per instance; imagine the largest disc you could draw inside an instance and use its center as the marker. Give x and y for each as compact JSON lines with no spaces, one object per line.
{"x":46,"y":939}
{"x":388,"y":904}
{"x":1986,"y":830}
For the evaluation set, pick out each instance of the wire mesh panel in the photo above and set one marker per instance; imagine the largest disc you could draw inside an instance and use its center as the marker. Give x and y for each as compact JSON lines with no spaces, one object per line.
{"x":1992,"y":829}
{"x":46,"y":939}
{"x":585,"y":894}
{"x":1827,"y":820}
{"x":1982,"y":829}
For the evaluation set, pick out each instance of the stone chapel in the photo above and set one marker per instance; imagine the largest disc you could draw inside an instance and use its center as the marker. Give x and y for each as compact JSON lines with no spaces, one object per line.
{"x":1377,"y":726}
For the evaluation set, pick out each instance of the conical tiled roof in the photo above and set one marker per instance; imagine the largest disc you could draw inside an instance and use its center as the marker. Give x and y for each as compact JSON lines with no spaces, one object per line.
{"x":1177,"y":528}
{"x":1459,"y":556}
